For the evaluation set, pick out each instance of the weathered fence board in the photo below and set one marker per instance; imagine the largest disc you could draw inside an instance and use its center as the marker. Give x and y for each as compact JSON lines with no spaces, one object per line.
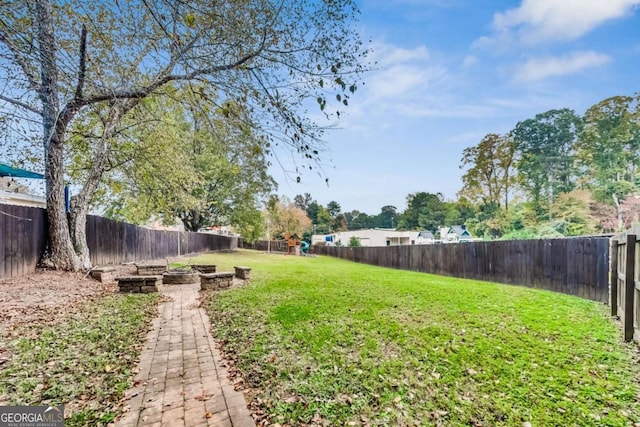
{"x":113,"y":242}
{"x":623,"y":279}
{"x":23,"y":233}
{"x":265,"y":245}
{"x":576,"y":266}
{"x":23,"y":237}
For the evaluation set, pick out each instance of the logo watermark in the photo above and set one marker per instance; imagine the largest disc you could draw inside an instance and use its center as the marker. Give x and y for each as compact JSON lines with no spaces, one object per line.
{"x":32,"y":416}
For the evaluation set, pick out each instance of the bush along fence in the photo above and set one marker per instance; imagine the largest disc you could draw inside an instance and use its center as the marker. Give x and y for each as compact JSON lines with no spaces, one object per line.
{"x":576,"y":266}
{"x":23,"y":237}
{"x":265,"y":245}
{"x":625,"y":283}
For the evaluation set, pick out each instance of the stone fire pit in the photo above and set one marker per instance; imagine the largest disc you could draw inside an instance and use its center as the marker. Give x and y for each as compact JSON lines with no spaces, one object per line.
{"x":204,"y":268}
{"x":181,"y":277}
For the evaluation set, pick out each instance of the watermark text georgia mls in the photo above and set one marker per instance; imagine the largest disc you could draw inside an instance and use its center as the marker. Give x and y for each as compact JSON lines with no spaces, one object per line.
{"x":32,"y":416}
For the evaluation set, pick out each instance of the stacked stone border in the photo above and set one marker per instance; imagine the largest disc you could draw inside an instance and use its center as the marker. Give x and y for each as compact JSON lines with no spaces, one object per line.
{"x":205,"y":274}
{"x":216,"y":281}
{"x":243,"y":273}
{"x":139,"y":284}
{"x":180,"y":278}
{"x":104,"y":274}
{"x":204,"y":268}
{"x":150,"y":269}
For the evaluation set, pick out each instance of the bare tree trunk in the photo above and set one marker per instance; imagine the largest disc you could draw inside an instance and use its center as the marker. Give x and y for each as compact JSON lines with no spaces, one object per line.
{"x":506,"y":198}
{"x":61,"y":253}
{"x":616,"y":201}
{"x":80,"y":202}
{"x":191,"y":220}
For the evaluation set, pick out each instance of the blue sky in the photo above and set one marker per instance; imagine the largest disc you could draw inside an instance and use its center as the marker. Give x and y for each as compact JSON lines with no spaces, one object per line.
{"x":451,"y":71}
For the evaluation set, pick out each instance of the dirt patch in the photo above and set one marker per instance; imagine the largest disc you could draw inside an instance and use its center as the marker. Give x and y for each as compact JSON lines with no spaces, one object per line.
{"x":37,"y":297}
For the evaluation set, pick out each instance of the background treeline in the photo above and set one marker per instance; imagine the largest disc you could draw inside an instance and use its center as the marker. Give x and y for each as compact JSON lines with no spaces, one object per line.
{"x":556,"y":174}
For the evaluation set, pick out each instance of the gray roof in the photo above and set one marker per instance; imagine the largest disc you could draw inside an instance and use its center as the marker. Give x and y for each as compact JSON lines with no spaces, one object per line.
{"x":460,"y":230}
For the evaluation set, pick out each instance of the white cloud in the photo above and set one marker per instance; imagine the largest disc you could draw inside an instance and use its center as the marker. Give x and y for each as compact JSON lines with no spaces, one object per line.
{"x":402,"y":74}
{"x":541,"y":68}
{"x":441,"y":108}
{"x":404,"y":79}
{"x":410,"y":84}
{"x":387,"y":54}
{"x":469,"y":61}
{"x":535,"y":21}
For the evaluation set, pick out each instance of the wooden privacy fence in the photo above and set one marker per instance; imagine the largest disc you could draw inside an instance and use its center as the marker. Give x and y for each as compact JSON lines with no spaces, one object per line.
{"x":625,"y":284}
{"x":265,"y":245}
{"x":113,"y":242}
{"x":23,"y":236}
{"x":576,"y":266}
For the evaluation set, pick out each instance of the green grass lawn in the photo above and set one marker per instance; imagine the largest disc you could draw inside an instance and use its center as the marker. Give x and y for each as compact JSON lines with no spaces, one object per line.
{"x":329,"y":342}
{"x":82,"y":359}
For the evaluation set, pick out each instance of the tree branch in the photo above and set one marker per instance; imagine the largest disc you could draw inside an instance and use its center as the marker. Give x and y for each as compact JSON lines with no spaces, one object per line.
{"x":22,"y":63}
{"x":144,"y":91}
{"x":20,"y":104}
{"x":82,"y":71}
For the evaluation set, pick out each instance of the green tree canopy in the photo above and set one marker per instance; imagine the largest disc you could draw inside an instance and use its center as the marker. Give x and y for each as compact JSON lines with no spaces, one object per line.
{"x":205,"y":157}
{"x":610,"y":150}
{"x":491,"y":173}
{"x":425,"y":211}
{"x":388,"y":217}
{"x":546,"y":150}
{"x":61,"y":58}
{"x":285,"y":218}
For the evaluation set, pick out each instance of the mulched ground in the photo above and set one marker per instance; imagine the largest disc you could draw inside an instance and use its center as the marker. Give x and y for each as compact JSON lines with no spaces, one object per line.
{"x":36,"y":297}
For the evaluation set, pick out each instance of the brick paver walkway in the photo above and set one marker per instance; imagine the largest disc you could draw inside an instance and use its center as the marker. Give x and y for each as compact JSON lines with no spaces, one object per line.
{"x":181,"y":381}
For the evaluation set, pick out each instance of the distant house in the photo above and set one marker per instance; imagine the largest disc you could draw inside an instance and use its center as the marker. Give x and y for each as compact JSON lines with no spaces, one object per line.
{"x":11,"y":198}
{"x":370,"y":237}
{"x":425,"y":237}
{"x":455,"y":234}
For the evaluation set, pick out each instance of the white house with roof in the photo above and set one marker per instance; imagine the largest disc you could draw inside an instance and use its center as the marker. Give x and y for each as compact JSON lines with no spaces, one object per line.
{"x":425,"y":237}
{"x":14,"y":192}
{"x":370,"y":237}
{"x":19,"y":199}
{"x":392,"y":237}
{"x":455,"y":234}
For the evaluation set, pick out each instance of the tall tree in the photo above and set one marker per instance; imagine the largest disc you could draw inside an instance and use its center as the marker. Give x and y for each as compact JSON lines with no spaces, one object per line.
{"x":285,"y":218}
{"x":302,"y":201}
{"x":546,"y":150}
{"x":491,"y":172}
{"x":359,"y":220}
{"x":574,"y":209}
{"x":388,"y":217}
{"x":338,"y":221}
{"x":63,"y":57}
{"x":320,"y":218}
{"x":610,"y":150}
{"x":334,"y":209}
{"x":425,"y":211}
{"x":218,"y":178}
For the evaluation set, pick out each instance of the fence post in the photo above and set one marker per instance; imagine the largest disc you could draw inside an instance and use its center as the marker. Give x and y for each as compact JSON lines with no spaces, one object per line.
{"x":629,"y":287}
{"x":613,"y":277}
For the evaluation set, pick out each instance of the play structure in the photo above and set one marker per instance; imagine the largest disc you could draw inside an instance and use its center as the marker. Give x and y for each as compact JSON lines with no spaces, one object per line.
{"x":295,"y":245}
